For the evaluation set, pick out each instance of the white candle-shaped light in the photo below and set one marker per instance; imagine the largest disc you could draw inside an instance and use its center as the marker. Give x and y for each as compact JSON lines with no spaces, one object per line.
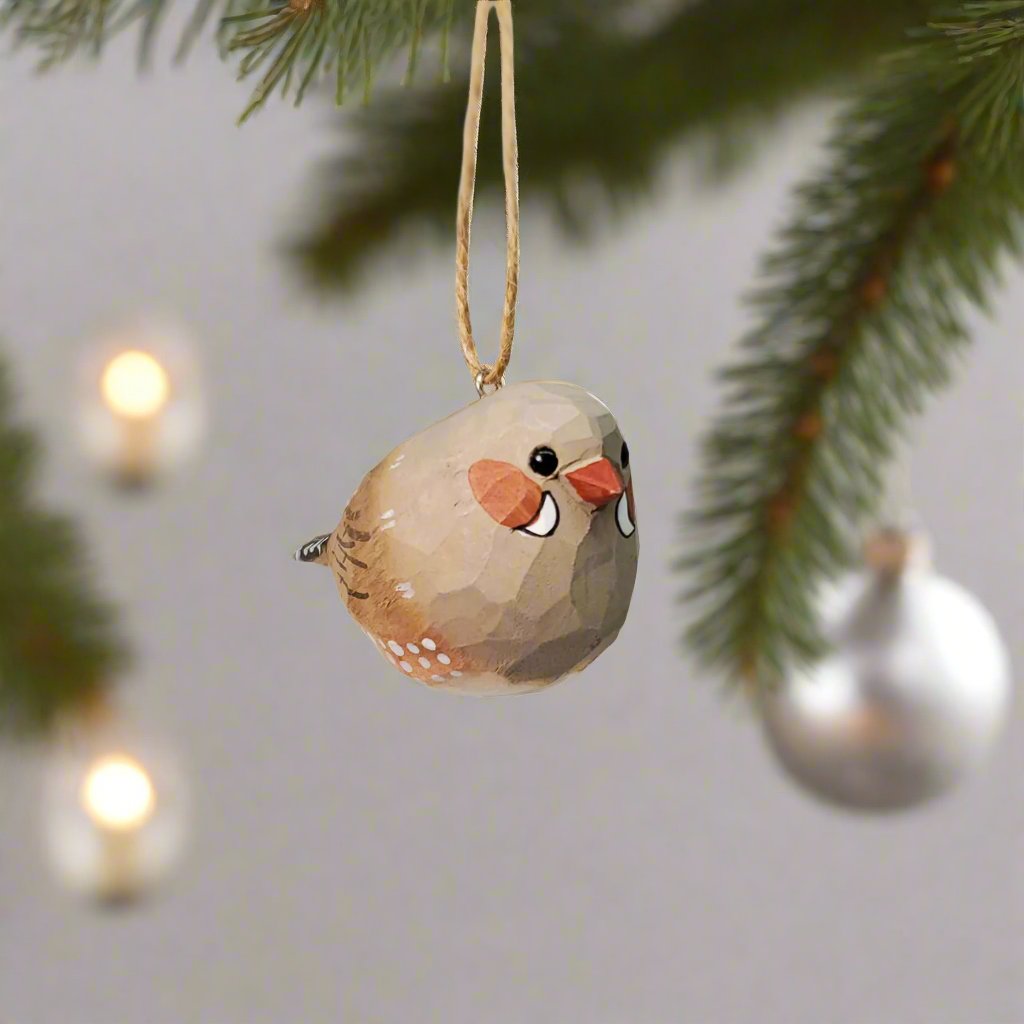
{"x":136,"y":389}
{"x":142,"y":409}
{"x":119,"y":798}
{"x":115,"y":822}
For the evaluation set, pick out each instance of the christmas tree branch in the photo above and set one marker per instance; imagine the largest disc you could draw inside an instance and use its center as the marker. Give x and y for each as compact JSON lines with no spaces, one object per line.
{"x":599,"y":105}
{"x":293,"y":43}
{"x":61,"y":29}
{"x":861,"y":317}
{"x":304,"y":40}
{"x":58,"y":648}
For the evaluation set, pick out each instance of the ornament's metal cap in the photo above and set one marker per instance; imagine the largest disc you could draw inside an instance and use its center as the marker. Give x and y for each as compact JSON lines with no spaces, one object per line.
{"x":891,"y":550}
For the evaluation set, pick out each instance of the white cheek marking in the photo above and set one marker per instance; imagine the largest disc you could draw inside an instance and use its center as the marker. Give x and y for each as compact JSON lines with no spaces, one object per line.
{"x":546,"y":521}
{"x":425,"y":662}
{"x":412,"y":648}
{"x":444,"y":659}
{"x":429,"y":644}
{"x":405,"y":666}
{"x":622,"y":518}
{"x":397,"y":648}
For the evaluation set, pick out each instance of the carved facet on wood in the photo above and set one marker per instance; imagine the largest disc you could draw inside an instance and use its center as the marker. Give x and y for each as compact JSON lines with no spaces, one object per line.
{"x":496,"y":551}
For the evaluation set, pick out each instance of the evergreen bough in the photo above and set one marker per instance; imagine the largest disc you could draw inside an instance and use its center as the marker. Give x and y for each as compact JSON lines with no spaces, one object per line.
{"x":861,"y":311}
{"x":58,"y":645}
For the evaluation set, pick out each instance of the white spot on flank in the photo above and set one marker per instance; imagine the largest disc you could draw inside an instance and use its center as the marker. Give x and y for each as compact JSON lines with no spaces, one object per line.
{"x":444,"y":659}
{"x":405,"y":666}
{"x":397,"y":648}
{"x":437,"y":679}
{"x":429,"y":644}
{"x":456,"y":674}
{"x":412,"y":649}
{"x":425,"y":662}
{"x":390,"y":514}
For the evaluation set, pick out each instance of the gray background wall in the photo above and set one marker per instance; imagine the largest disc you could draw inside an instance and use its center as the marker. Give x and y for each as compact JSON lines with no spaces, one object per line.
{"x":620,"y":849}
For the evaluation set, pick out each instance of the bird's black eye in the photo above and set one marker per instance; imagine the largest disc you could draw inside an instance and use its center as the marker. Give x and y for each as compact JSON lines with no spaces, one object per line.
{"x":624,"y":457}
{"x":543,"y":461}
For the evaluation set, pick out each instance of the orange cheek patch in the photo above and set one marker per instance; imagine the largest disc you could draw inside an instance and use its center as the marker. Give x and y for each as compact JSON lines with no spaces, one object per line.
{"x":505,"y":493}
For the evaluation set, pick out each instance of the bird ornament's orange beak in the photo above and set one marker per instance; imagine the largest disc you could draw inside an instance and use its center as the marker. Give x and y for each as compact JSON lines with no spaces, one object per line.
{"x":597,"y":483}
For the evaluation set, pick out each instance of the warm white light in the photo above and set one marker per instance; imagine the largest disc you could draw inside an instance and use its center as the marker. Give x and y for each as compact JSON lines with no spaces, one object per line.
{"x":135,"y":385}
{"x":117,"y":793}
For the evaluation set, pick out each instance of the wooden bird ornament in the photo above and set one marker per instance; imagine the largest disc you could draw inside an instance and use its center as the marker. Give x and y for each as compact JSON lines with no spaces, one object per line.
{"x":496,"y":551}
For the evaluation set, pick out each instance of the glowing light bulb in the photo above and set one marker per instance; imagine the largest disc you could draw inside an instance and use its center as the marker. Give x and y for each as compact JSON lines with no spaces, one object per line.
{"x":116,"y":810}
{"x":118,"y":794}
{"x":135,"y":385}
{"x":141,"y":405}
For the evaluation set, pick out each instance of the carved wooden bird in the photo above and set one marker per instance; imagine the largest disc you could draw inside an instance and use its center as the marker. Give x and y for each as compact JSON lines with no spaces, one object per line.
{"x":496,"y":551}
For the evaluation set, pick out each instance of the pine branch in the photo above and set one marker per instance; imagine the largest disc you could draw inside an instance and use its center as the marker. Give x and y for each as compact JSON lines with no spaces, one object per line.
{"x":301,"y":41}
{"x":58,"y":648}
{"x":599,"y":105}
{"x":61,"y":29}
{"x":861,"y":318}
{"x":294,"y":44}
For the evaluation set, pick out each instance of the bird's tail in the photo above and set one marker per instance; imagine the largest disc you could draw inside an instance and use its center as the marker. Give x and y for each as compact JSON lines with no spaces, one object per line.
{"x":314,"y":550}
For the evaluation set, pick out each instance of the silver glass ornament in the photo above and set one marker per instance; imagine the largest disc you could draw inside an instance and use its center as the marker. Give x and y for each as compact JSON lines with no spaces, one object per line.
{"x":912,"y":695}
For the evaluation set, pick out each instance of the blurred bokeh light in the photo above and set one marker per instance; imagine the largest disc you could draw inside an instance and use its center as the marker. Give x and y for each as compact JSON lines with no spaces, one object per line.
{"x":115,"y":811}
{"x":141,"y":401}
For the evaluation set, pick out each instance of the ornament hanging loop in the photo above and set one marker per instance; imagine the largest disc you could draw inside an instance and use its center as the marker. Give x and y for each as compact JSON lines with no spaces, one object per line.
{"x":483,"y":389}
{"x":486,"y":375}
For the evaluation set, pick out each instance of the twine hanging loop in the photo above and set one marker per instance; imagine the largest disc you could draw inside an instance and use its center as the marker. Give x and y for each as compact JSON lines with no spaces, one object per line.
{"x":488,"y":376}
